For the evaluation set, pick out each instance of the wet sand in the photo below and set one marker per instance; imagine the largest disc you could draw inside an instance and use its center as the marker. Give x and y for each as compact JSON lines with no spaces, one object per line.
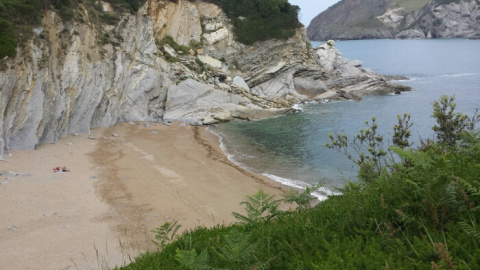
{"x":128,"y":181}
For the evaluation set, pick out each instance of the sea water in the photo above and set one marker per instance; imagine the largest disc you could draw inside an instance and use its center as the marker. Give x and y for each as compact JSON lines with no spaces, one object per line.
{"x":290,"y":149}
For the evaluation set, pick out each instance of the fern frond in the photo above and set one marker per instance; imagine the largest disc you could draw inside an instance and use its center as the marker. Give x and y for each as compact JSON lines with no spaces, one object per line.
{"x":471,"y":230}
{"x":191,"y":260}
{"x":261,"y":266}
{"x":260,"y":207}
{"x":236,"y":248}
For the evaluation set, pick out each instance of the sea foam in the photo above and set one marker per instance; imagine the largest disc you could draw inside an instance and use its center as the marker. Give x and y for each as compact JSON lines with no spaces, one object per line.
{"x":321,"y":194}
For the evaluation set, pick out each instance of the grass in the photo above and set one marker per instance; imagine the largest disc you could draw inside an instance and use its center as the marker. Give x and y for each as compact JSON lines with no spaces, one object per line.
{"x":411,"y":5}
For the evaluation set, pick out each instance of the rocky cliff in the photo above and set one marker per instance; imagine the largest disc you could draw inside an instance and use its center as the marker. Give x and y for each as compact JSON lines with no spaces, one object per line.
{"x":170,"y":61}
{"x":369,"y":19}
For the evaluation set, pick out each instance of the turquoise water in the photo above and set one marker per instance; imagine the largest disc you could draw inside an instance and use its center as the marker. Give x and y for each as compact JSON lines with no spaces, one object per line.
{"x":290,"y":148}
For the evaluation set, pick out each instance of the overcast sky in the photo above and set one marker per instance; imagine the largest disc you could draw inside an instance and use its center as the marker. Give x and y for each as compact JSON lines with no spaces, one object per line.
{"x":311,"y":8}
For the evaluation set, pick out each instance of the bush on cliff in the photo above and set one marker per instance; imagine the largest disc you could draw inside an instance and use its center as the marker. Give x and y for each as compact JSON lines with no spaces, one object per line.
{"x":258,"y":20}
{"x":17,"y":17}
{"x":422,"y":211}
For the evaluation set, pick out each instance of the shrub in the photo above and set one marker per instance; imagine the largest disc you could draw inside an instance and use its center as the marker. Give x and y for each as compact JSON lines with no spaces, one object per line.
{"x":451,"y":124}
{"x":7,"y":39}
{"x":17,"y":17}
{"x":420,"y":214}
{"x":258,"y":20}
{"x":171,"y":42}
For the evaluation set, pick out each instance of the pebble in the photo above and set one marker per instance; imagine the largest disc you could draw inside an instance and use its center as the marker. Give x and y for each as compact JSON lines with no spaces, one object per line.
{"x":93,"y":177}
{"x":114,"y":135}
{"x":147,"y":125}
{"x":154,"y":132}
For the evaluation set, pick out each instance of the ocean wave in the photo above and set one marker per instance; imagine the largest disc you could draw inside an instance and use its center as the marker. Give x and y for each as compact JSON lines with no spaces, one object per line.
{"x":298,"y":107}
{"x":222,"y":144}
{"x":230,"y":156}
{"x":459,"y":75}
{"x":321,"y":194}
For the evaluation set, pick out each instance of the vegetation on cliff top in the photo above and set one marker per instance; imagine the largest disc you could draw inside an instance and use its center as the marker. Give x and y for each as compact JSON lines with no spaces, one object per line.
{"x":253,"y":20}
{"x":17,"y":17}
{"x":420,"y":210}
{"x":257,"y":20}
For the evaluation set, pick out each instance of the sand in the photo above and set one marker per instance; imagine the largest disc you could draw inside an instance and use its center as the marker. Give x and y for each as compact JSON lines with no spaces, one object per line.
{"x":130,"y":179}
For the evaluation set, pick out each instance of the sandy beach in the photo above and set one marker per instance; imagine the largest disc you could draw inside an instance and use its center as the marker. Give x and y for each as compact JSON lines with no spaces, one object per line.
{"x":128,"y":180}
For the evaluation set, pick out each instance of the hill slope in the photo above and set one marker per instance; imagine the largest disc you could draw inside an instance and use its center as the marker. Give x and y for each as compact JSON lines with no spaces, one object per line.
{"x":369,"y":19}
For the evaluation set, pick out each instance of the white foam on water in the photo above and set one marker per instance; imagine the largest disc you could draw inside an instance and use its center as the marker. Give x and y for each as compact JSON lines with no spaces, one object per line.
{"x":321,"y":194}
{"x":297,"y":107}
{"x":459,"y":75}
{"x":222,"y":144}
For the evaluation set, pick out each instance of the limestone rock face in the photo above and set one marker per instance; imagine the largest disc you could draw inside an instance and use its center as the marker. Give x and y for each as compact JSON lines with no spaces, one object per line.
{"x":210,"y":61}
{"x":348,"y":20}
{"x":455,"y":20}
{"x":414,"y":33}
{"x":240,"y":82}
{"x":180,"y":20}
{"x":74,"y":76}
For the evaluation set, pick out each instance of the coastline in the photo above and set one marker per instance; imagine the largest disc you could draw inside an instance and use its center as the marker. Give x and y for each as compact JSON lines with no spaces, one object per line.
{"x":321,"y":194}
{"x":128,"y":181}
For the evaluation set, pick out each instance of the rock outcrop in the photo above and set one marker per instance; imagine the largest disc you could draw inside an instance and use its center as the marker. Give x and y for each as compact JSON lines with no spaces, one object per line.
{"x":77,"y":75}
{"x":355,"y":19}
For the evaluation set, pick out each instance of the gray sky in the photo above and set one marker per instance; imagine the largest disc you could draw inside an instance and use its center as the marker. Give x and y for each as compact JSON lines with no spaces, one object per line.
{"x":311,"y":8}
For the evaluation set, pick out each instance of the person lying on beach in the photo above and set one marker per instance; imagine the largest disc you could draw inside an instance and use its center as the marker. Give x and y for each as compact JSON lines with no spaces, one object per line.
{"x":57,"y":169}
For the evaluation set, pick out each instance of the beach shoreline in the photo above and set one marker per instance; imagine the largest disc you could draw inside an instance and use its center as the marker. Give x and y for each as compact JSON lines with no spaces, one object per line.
{"x":125,"y":181}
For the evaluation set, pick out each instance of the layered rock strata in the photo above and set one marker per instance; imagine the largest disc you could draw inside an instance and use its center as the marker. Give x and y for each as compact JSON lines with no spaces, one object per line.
{"x":373,"y":19}
{"x":74,"y":76}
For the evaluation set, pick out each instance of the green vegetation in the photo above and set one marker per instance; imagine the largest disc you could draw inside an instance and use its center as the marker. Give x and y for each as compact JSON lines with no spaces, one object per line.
{"x":420,"y":210}
{"x":412,"y":5}
{"x":168,"y":40}
{"x":257,"y":20}
{"x":409,"y":5}
{"x":369,"y":23}
{"x":17,"y":17}
{"x":8,"y":40}
{"x":253,"y":20}
{"x":446,"y":2}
